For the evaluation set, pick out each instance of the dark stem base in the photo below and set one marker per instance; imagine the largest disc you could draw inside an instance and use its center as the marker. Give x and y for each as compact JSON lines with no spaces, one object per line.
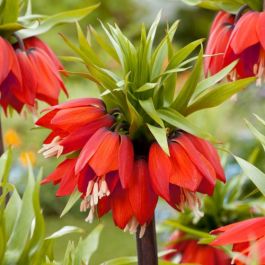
{"x":146,"y":246}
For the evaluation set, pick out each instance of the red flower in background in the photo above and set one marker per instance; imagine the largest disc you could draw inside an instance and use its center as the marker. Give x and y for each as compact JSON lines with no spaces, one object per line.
{"x":193,"y":166}
{"x":219,"y":36}
{"x":111,"y":171}
{"x":29,"y":72}
{"x":247,"y":238}
{"x":247,"y":43}
{"x":189,"y":251}
{"x":242,"y":40}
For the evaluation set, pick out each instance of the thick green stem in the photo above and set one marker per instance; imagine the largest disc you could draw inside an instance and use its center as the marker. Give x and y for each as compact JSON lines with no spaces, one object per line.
{"x":146,"y":246}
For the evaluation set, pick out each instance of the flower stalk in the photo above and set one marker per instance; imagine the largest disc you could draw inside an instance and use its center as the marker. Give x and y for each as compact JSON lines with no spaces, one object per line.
{"x":147,"y":246}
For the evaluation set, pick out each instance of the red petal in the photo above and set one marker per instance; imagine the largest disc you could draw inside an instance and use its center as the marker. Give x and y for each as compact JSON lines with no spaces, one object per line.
{"x":8,"y":88}
{"x":45,"y":120}
{"x":142,"y":197}
{"x":63,"y":174}
{"x":245,"y":34}
{"x":121,"y":207}
{"x":29,"y":81}
{"x":70,"y":119}
{"x":7,"y":56}
{"x":104,"y":206}
{"x":261,"y":29}
{"x":78,"y":138}
{"x":105,"y":159}
{"x":79,"y":102}
{"x":49,"y":84}
{"x":90,"y":148}
{"x":126,"y":159}
{"x":197,"y":158}
{"x":240,"y":232}
{"x":184,"y":173}
{"x":160,"y":169}
{"x":83,"y":178}
{"x":34,"y":42}
{"x":210,"y":153}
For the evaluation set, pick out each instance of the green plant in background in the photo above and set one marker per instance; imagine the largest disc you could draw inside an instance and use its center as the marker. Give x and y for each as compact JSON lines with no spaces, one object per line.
{"x":229,"y":5}
{"x":22,"y":230}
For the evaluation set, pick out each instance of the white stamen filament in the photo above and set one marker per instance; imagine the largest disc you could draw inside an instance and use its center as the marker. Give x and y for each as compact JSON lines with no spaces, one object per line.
{"x":52,"y":149}
{"x":95,"y":191}
{"x":190,"y":200}
{"x":259,"y":69}
{"x":132,"y":227}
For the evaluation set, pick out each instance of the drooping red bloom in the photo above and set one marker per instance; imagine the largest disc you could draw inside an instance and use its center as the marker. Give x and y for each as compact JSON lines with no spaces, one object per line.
{"x":189,"y":251}
{"x":247,"y":43}
{"x":30,"y":72}
{"x":247,"y":238}
{"x":219,"y":36}
{"x":241,"y":40}
{"x":72,"y":124}
{"x":193,"y":166}
{"x":111,"y":170}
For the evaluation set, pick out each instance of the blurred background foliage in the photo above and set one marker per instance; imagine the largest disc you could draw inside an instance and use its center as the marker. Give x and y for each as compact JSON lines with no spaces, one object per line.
{"x":225,"y":122}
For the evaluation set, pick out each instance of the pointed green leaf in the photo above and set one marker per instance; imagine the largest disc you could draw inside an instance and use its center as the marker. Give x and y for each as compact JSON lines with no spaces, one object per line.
{"x":146,"y":87}
{"x":260,"y":119}
{"x":182,"y":100}
{"x":255,"y":175}
{"x":121,"y":261}
{"x":11,"y":212}
{"x":51,"y":21}
{"x":183,"y":53}
{"x":10,"y":11}
{"x":10,"y":27}
{"x":160,"y":52}
{"x":209,"y":82}
{"x":66,"y":230}
{"x":149,"y":108}
{"x":22,"y":227}
{"x":89,"y":245}
{"x":177,"y":120}
{"x":160,"y":134}
{"x":104,"y":44}
{"x":75,"y":196}
{"x":215,"y":96}
{"x":257,"y":134}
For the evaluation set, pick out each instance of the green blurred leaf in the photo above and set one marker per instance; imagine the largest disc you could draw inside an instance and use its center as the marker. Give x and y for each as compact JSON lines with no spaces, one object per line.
{"x":65,"y":231}
{"x":206,"y":83}
{"x":74,"y":197}
{"x":121,"y":261}
{"x":160,"y":134}
{"x":51,"y":21}
{"x":88,"y":246}
{"x":190,"y":231}
{"x":182,"y":54}
{"x":149,"y":108}
{"x":255,"y":175}
{"x":146,"y":87}
{"x":160,"y":52}
{"x":218,"y":94}
{"x":22,"y":226}
{"x":5,"y":165}
{"x":10,"y":27}
{"x":177,"y":120}
{"x":11,"y":212}
{"x":257,"y":134}
{"x":182,"y":100}
{"x":10,"y":11}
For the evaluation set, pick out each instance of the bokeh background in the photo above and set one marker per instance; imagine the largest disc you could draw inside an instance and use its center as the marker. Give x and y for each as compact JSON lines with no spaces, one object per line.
{"x":225,"y":122}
